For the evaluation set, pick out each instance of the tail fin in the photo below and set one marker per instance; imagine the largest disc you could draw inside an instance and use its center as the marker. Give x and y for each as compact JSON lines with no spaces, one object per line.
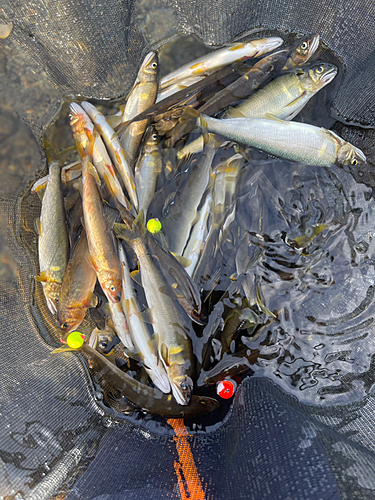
{"x":137,"y":231}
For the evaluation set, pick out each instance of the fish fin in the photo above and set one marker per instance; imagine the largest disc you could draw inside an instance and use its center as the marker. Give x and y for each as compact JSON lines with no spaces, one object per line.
{"x":234,"y":113}
{"x":92,"y":170}
{"x":64,"y":348}
{"x":91,"y":300}
{"x":40,"y":186}
{"x":139,"y":224}
{"x":169,"y":291}
{"x":241,"y":151}
{"x":111,"y":215}
{"x":270,"y":116}
{"x":296,"y":100}
{"x":189,"y":114}
{"x":113,"y":120}
{"x":42,"y":278}
{"x":163,"y":351}
{"x":146,"y":316}
{"x":127,"y":157}
{"x":38,"y":226}
{"x":259,"y":299}
{"x":182,"y":260}
{"x":57,"y":155}
{"x":122,"y":232}
{"x":136,"y":276}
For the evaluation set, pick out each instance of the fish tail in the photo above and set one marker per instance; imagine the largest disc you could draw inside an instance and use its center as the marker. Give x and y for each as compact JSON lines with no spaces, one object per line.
{"x":139,"y":224}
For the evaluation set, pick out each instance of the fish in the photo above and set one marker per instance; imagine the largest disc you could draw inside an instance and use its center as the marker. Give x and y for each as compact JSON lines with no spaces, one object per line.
{"x":115,"y":150}
{"x":198,"y":233}
{"x":223,"y":207}
{"x":77,"y":289}
{"x":173,"y":89}
{"x":172,"y":327}
{"x":294,"y":141}
{"x":301,"y":51}
{"x":148,"y":168}
{"x":143,"y":397}
{"x":180,"y":286}
{"x":89,"y":144}
{"x":217,"y":59}
{"x":141,"y":336}
{"x":182,"y":212}
{"x":53,"y":241}
{"x":120,"y":324}
{"x":140,"y":98}
{"x":247,"y":84}
{"x":100,"y":239}
{"x":285,"y":96}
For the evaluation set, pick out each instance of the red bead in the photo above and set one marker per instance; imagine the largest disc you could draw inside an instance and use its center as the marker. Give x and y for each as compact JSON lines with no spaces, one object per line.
{"x":226,"y":388}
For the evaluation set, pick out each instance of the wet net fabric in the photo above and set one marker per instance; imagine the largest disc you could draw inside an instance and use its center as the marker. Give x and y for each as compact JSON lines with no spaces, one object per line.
{"x":55,"y":439}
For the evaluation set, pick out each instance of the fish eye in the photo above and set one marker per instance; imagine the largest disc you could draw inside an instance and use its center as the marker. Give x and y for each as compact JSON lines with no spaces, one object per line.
{"x":154,"y":65}
{"x":304,"y":45}
{"x":103,"y":344}
{"x":64,"y":326}
{"x":183,"y":386}
{"x":319,"y":70}
{"x":112,"y":288}
{"x":154,"y":136}
{"x":354,"y":161}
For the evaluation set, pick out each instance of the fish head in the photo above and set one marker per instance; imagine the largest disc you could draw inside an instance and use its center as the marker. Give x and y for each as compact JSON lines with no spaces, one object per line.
{"x":149,"y":71}
{"x":76,"y":118}
{"x":151,"y":140}
{"x":52,"y":293}
{"x":350,"y":155}
{"x":303,"y":49}
{"x":102,"y":340}
{"x":182,"y":385}
{"x":319,"y":74}
{"x":111,"y":285}
{"x":70,"y":318}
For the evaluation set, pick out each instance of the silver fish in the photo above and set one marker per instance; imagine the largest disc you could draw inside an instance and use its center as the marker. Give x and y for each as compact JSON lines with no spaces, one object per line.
{"x":291,"y":140}
{"x":142,"y":339}
{"x":220,"y":58}
{"x":53,"y":242}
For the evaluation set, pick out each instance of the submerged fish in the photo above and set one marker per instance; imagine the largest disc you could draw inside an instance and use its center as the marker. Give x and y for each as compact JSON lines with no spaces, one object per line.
{"x":172,"y":328}
{"x":291,"y":140}
{"x":142,"y":396}
{"x":99,"y":237}
{"x":182,"y":212}
{"x":53,"y":242}
{"x":77,"y":288}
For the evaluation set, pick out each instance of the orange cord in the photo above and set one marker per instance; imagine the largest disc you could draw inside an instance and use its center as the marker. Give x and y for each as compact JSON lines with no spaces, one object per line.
{"x":186,"y":471}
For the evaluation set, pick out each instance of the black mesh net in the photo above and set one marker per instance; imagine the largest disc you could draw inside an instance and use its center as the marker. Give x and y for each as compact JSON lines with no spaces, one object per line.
{"x":302,"y":426}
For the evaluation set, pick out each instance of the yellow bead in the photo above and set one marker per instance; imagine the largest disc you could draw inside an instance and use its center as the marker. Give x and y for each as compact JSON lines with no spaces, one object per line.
{"x":75,"y":340}
{"x":154,"y":225}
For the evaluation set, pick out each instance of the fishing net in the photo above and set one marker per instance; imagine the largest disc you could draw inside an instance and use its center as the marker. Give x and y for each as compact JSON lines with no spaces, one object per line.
{"x":301,"y":427}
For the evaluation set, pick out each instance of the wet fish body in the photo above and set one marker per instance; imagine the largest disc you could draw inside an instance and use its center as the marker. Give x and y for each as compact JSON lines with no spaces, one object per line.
{"x":140,"y":98}
{"x":53,"y":242}
{"x":219,"y":58}
{"x":147,"y":169}
{"x":291,"y":140}
{"x":89,"y":144}
{"x":77,"y":288}
{"x":139,"y":330}
{"x":286,"y":95}
{"x":171,"y":327}
{"x":115,"y":149}
{"x":100,"y":239}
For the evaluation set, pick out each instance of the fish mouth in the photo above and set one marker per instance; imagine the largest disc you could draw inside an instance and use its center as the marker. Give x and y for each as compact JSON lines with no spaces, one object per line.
{"x":314,"y":44}
{"x":51,"y":305}
{"x":149,"y":58}
{"x":272,"y":43}
{"x":329,"y":75}
{"x":75,"y":108}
